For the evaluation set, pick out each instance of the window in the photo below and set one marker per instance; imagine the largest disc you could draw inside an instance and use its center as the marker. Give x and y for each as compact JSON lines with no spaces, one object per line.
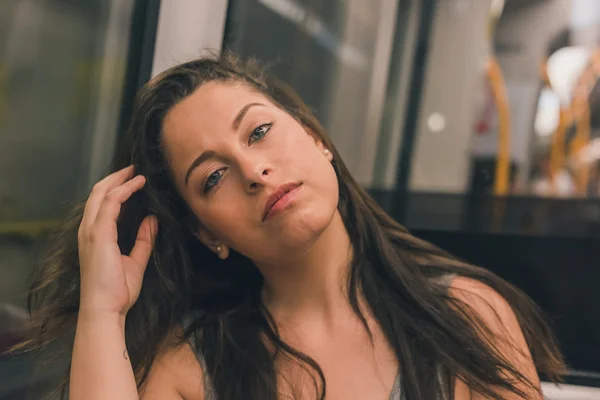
{"x":62,"y":70}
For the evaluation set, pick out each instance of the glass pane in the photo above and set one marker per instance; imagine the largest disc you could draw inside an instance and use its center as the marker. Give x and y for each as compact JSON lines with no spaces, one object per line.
{"x":504,"y":167}
{"x":61,"y":72}
{"x":526,"y":121}
{"x":335,"y":53}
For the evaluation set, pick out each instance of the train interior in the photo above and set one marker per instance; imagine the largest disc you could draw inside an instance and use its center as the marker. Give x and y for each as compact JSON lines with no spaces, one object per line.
{"x":476,"y":124}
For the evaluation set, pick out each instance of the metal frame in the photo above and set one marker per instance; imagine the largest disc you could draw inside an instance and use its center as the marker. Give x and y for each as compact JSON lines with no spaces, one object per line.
{"x":186,"y":29}
{"x":141,"y":54}
{"x":380,"y":76}
{"x":109,"y":121}
{"x":397,"y":96}
{"x":415,"y":93}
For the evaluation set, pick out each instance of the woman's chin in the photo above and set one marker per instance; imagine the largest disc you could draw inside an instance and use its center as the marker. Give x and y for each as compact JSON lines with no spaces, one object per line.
{"x":302,"y":228}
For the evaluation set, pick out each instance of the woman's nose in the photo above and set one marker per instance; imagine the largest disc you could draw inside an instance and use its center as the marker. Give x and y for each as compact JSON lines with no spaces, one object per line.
{"x":262,"y":176}
{"x":255,"y":175}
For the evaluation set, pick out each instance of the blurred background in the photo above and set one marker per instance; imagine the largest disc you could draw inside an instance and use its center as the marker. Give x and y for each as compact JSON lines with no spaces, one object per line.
{"x":476,"y":123}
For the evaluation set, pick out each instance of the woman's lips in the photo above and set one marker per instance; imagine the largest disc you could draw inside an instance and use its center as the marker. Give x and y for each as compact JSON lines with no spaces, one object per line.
{"x":283,"y":202}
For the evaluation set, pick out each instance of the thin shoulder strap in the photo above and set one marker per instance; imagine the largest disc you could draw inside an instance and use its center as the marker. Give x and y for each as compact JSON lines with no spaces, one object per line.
{"x":396,"y":394}
{"x":209,"y":392}
{"x":444,"y":280}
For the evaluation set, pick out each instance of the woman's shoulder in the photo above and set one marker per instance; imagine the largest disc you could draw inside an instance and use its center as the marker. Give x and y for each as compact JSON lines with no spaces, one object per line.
{"x":500,"y":323}
{"x":477,"y":295}
{"x":501,"y":328}
{"x":481,"y":298}
{"x":175,"y":371}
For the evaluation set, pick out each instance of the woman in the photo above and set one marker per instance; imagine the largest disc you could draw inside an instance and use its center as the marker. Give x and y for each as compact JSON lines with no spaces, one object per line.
{"x":267,"y":271}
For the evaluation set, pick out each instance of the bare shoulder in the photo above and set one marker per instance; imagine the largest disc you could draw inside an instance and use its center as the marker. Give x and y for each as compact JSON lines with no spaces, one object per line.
{"x":175,"y":373}
{"x":490,"y":307}
{"x":484,"y":300}
{"x":497,"y":315}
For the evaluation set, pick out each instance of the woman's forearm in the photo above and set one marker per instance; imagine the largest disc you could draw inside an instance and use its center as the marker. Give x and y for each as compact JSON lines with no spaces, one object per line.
{"x":100,"y":368}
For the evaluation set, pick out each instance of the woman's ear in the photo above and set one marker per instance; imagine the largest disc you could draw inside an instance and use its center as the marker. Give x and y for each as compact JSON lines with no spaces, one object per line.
{"x":328,"y":153}
{"x":320,"y":145}
{"x":210,"y":240}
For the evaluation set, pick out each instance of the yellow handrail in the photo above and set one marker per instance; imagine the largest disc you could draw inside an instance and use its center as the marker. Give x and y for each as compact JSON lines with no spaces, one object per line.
{"x":582,"y":117}
{"x":497,"y":84}
{"x":557,"y":149}
{"x":580,"y":141}
{"x":578,"y":113}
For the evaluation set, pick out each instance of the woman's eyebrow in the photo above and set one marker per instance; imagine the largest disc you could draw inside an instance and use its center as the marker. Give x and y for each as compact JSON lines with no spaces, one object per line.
{"x":238,"y":119}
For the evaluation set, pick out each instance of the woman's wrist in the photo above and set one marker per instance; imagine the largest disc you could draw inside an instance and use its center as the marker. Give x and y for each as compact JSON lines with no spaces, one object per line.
{"x":94,"y":315}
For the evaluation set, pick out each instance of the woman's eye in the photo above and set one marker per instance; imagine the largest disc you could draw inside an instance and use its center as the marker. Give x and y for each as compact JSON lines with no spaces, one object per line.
{"x":213,"y":180}
{"x":259,"y":132}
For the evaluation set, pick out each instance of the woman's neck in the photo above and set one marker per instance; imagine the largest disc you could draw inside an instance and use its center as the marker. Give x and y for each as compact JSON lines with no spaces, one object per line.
{"x":312,"y":285}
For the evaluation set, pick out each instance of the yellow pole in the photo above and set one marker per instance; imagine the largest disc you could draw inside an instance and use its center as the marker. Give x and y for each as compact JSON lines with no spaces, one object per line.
{"x":502,"y":181}
{"x":582,"y":117}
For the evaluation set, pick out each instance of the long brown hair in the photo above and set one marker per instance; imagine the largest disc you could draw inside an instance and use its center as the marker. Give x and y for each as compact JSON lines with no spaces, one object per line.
{"x":219,"y":303}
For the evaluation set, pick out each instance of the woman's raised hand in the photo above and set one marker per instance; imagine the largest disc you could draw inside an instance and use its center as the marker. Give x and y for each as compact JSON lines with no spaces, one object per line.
{"x":111,"y":281}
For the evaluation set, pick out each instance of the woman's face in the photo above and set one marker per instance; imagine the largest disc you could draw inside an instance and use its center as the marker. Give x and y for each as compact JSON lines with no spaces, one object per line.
{"x":230,"y":149}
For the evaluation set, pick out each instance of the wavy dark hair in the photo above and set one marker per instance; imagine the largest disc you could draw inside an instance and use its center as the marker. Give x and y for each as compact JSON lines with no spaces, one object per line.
{"x":219,"y":301}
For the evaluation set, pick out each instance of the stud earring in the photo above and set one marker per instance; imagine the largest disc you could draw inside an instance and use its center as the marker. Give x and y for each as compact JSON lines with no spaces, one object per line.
{"x":326,"y":151}
{"x":218,"y":247}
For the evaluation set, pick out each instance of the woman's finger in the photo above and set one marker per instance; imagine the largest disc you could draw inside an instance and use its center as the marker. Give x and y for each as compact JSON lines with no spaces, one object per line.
{"x":144,"y":242}
{"x":99,"y":192}
{"x":111,"y":205}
